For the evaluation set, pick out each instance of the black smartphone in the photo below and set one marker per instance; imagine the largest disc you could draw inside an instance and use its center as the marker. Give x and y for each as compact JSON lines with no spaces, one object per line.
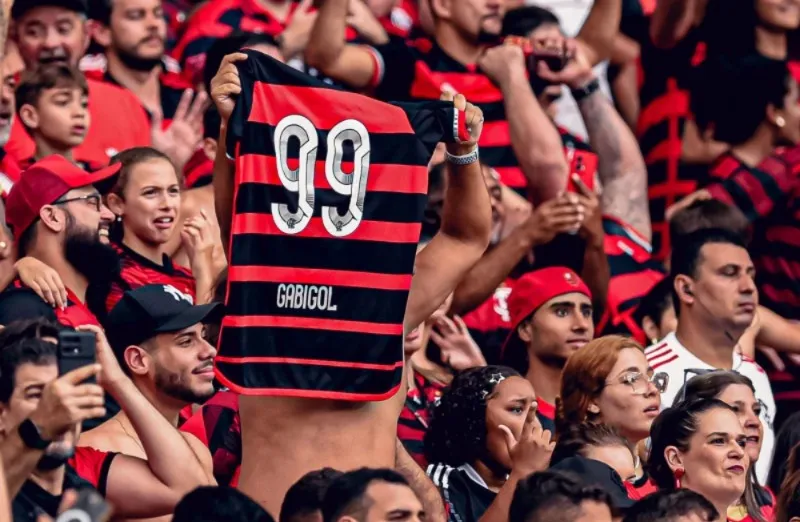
{"x":89,"y":507}
{"x":75,"y":350}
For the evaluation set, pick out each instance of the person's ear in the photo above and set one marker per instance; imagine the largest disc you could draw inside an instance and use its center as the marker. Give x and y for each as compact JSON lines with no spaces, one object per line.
{"x":29,"y":116}
{"x":684,"y":287}
{"x":651,"y":330}
{"x":115,"y":204}
{"x":137,"y":359}
{"x":525,"y":331}
{"x":53,"y":218}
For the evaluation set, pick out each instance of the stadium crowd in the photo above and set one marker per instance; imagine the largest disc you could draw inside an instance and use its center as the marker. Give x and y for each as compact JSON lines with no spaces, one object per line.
{"x":400,"y":260}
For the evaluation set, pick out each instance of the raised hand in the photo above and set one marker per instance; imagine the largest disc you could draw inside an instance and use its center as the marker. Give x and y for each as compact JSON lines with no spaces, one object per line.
{"x":459,"y":349}
{"x":43,"y":280}
{"x":592,"y":226}
{"x":502,"y":61}
{"x":226,"y":85}
{"x":577,"y":70}
{"x":294,"y":39}
{"x":111,"y":373}
{"x":197,"y":238}
{"x":563,"y":214}
{"x":473,"y":118}
{"x":532,"y":451}
{"x":185,"y":133}
{"x":66,"y":402}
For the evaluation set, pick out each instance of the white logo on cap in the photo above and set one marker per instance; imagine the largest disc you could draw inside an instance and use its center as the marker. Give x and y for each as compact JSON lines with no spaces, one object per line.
{"x":177,"y":294}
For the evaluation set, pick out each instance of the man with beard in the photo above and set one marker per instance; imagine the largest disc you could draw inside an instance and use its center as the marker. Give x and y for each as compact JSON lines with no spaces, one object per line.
{"x":48,"y":31}
{"x":133,"y":32}
{"x":41,"y":415}
{"x":551,"y":317}
{"x":57,"y":217}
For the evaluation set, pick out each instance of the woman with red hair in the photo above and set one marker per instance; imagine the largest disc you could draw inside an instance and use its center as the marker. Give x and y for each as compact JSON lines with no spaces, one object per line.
{"x":608,"y":381}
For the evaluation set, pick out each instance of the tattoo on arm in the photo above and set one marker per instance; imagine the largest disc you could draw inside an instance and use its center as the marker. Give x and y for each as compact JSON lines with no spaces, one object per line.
{"x":622,"y":170}
{"x":425,"y":489}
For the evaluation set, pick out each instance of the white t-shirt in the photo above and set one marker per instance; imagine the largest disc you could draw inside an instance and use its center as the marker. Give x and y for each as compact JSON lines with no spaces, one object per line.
{"x":674,"y":359}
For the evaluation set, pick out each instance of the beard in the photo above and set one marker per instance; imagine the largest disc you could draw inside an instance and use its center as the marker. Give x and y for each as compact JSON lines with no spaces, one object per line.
{"x":83,"y":250}
{"x":133,"y":60}
{"x":173,"y":385}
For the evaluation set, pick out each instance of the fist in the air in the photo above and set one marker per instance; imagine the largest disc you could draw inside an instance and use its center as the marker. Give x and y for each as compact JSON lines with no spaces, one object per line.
{"x":473,"y":118}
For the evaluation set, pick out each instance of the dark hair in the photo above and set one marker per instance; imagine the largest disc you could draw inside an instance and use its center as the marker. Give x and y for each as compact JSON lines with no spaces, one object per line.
{"x":48,"y":76}
{"x":735,"y":114}
{"x":232,"y":43}
{"x":552,"y":495}
{"x":579,"y":438}
{"x":708,"y":213}
{"x":686,"y":253}
{"x":216,"y":503}
{"x":523,"y":20}
{"x":674,"y":427}
{"x":307,"y":494}
{"x":729,"y":27}
{"x":345,"y":494}
{"x":29,"y":329}
{"x":788,"y":504}
{"x":670,"y":506}
{"x":655,"y":303}
{"x":709,"y":386}
{"x":25,"y":351}
{"x":457,"y":431}
{"x":129,"y":159}
{"x":785,"y":441}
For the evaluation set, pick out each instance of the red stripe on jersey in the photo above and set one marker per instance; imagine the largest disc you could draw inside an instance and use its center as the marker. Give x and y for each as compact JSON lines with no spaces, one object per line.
{"x":319,"y":277}
{"x":252,"y":223}
{"x":652,"y":349}
{"x":260,"y":168}
{"x":313,"y":324}
{"x":662,"y":363}
{"x":314,"y":362}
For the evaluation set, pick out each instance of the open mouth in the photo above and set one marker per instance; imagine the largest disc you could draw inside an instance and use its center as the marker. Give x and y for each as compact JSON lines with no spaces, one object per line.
{"x":652,"y":411}
{"x":753,"y":439}
{"x":164,"y":223}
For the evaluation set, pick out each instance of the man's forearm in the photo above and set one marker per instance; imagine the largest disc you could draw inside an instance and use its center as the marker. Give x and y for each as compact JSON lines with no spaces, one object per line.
{"x":425,"y":489}
{"x":169,"y":456}
{"x":328,"y":36}
{"x":621,"y":166}
{"x":467,"y":212}
{"x":19,"y":461}
{"x":600,"y":29}
{"x":597,"y":273}
{"x":535,"y":140}
{"x":492,"y":269}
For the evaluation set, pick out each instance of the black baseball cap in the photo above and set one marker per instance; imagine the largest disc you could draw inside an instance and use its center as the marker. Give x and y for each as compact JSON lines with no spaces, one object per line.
{"x":595,"y":473}
{"x":150,"y":310}
{"x":21,"y":7}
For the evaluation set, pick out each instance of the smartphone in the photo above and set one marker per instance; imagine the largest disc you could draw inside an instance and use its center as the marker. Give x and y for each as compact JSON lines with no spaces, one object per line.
{"x":75,"y":350}
{"x":584,"y":165}
{"x":89,"y":507}
{"x":555,"y":59}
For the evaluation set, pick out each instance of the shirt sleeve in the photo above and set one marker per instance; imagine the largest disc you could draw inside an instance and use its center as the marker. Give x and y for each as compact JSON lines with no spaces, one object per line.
{"x":757,"y":192}
{"x":22,"y":305}
{"x":92,"y":466}
{"x":395,"y":70}
{"x":434,"y":122}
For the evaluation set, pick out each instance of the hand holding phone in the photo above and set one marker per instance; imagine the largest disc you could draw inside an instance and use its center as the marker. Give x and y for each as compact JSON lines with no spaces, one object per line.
{"x":75,"y":350}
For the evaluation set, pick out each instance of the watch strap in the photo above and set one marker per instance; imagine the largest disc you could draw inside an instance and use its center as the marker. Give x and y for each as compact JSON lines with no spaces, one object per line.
{"x":587,"y":90}
{"x":30,"y":435}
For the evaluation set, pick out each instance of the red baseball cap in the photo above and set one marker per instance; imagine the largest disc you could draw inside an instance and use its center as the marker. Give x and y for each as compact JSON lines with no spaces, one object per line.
{"x":42,"y":184}
{"x":535,"y":288}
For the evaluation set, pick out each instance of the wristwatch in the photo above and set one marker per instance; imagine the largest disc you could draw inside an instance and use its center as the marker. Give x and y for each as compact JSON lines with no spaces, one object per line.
{"x":587,"y":90}
{"x":31,"y":436}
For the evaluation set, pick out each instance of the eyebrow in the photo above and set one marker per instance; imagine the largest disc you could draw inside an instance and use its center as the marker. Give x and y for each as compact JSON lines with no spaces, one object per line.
{"x":560,"y":304}
{"x":718,"y":434}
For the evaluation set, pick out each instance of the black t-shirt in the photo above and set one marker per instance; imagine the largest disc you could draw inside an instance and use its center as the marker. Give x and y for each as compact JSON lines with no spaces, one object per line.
{"x":465,"y":495}
{"x":32,"y":500}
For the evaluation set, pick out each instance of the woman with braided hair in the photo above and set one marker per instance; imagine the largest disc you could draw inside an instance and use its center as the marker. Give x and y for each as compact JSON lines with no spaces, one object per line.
{"x":483,"y":438}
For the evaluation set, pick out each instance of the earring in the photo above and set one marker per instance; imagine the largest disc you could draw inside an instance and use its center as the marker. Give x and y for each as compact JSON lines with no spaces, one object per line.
{"x":679,"y":473}
{"x":780,"y":122}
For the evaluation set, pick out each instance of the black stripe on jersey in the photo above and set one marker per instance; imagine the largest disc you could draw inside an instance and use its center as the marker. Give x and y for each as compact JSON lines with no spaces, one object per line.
{"x":390,"y":207}
{"x":232,"y":18}
{"x":361,"y":256}
{"x":262,"y":341}
{"x":385,"y":149}
{"x":499,"y":156}
{"x":352,"y":303}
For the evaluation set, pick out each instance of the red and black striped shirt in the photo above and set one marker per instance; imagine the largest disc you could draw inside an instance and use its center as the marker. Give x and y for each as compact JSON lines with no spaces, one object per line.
{"x":416,"y":415}
{"x":137,"y":271}
{"x":322,"y":247}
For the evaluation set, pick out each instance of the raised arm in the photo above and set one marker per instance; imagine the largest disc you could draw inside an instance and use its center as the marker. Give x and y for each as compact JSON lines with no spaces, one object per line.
{"x":534,"y":138}
{"x":621,"y":166}
{"x":464,"y":233}
{"x":421,"y":484}
{"x":329,"y":52}
{"x":600,"y":29}
{"x":672,"y":20}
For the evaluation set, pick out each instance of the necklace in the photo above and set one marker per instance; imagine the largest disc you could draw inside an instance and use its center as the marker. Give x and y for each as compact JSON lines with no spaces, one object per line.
{"x":134,"y":439}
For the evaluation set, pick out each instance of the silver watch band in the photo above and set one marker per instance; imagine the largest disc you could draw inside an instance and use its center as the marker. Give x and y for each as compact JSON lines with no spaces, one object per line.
{"x":466,"y":159}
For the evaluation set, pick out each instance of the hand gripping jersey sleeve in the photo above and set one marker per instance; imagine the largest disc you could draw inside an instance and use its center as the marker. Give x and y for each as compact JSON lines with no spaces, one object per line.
{"x":330,"y":188}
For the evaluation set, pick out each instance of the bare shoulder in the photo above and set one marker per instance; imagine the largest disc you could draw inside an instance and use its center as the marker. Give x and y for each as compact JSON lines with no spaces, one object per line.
{"x":106,"y":437}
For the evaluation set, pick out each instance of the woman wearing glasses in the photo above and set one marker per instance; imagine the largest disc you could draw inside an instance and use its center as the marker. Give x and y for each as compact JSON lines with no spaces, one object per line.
{"x":758,"y":503}
{"x":608,"y":381}
{"x":700,"y":445}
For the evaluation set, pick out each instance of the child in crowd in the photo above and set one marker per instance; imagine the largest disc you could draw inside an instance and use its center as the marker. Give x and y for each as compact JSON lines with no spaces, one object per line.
{"x":52,"y":105}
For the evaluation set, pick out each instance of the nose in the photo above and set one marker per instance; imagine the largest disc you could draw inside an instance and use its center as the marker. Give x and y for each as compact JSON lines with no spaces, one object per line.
{"x":207,"y":350}
{"x":105,"y":213}
{"x":737,"y":452}
{"x":51,"y":40}
{"x":581,"y":322}
{"x":747,"y":284}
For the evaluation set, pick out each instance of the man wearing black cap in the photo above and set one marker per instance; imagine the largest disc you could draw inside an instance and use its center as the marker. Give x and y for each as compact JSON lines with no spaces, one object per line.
{"x":157,"y":336}
{"x":48,"y":31}
{"x":58,"y":218}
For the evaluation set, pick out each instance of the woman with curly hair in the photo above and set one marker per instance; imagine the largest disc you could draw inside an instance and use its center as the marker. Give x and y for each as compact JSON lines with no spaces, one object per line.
{"x":483,"y":438}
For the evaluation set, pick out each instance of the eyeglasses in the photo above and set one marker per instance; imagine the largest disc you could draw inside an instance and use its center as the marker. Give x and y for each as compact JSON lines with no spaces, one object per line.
{"x":94,"y":200}
{"x":639,"y":383}
{"x":690,"y":373}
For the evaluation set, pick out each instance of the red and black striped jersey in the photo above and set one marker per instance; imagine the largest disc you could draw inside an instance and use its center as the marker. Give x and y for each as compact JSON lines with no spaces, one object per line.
{"x":198,"y":171}
{"x":216,"y":423}
{"x":136,"y":271}
{"x":219,"y":19}
{"x":20,"y":303}
{"x":416,"y":415}
{"x":633,"y":275}
{"x":329,"y":198}
{"x":490,"y":323}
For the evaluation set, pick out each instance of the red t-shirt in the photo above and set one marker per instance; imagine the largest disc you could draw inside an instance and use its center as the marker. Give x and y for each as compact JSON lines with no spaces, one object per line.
{"x":109,"y":106}
{"x":92,"y":466}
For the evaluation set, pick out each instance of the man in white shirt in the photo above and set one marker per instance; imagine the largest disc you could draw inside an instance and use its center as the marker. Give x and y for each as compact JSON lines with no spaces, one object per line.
{"x":716,"y":299}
